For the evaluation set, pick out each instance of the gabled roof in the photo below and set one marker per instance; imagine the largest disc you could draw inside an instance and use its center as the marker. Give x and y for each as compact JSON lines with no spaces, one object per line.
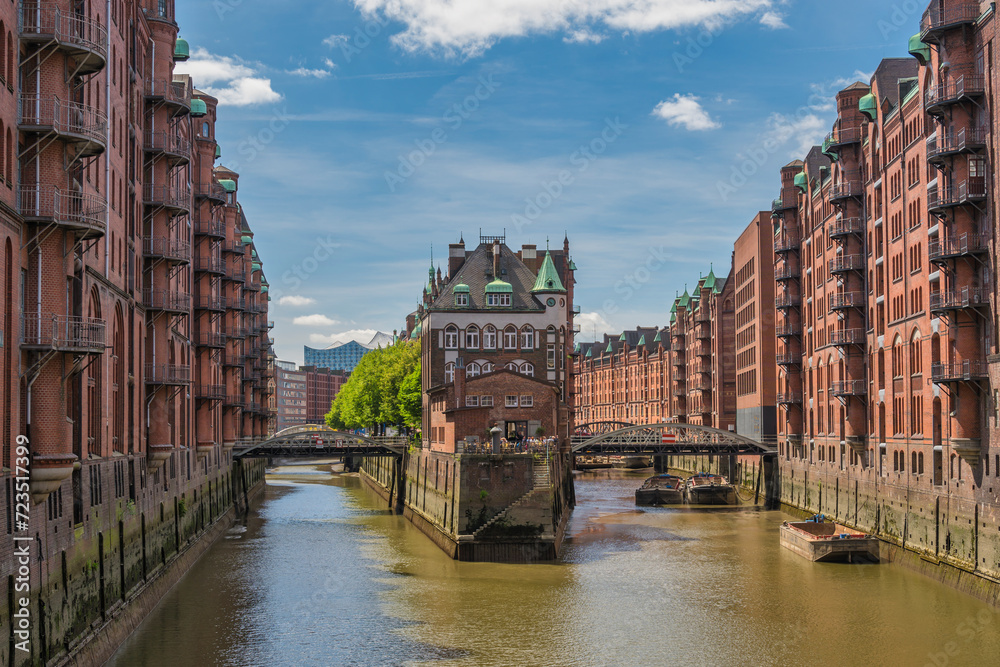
{"x":548,"y":277}
{"x":477,"y":273}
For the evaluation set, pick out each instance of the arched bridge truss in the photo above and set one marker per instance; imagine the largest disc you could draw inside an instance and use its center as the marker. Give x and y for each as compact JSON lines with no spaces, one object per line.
{"x":664,"y":438}
{"x":312,"y":442}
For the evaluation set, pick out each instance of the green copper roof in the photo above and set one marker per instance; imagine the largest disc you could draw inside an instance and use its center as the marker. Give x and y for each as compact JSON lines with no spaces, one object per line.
{"x":247,"y":240}
{"x":827,"y":151}
{"x":263,"y":289}
{"x":642,"y":340}
{"x":461,"y":288}
{"x":709,"y":279}
{"x":622,"y":337}
{"x":609,"y":348}
{"x":548,"y":277}
{"x":590,"y":352}
{"x":684,"y":300}
{"x":919,"y":50}
{"x":416,"y":330}
{"x":218,"y":151}
{"x":229,"y":184}
{"x":253,"y":254}
{"x":657,"y":339}
{"x":868,"y":105}
{"x":673,"y":308}
{"x":572,"y":265}
{"x":802,"y":181}
{"x":499,"y":287}
{"x":576,"y":348}
{"x":199,"y":108}
{"x":182,"y":50}
{"x":255,"y":266}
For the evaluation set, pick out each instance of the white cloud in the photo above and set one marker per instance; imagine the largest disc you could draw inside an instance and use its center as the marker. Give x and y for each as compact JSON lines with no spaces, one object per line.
{"x":686,"y":111}
{"x":239,"y":82}
{"x":360,"y":335}
{"x":334,"y":41}
{"x":583,"y":37}
{"x":314,"y":321}
{"x":306,"y":72}
{"x":802,"y":132}
{"x":469,"y":27}
{"x":592,"y":325}
{"x":295,"y":300}
{"x":329,"y":63}
{"x":773,"y":20}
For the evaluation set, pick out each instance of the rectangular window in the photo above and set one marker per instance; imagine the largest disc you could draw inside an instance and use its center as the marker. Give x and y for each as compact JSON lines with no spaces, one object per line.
{"x":472,"y":401}
{"x":527,"y":401}
{"x":511,"y":401}
{"x":551,"y":357}
{"x":486,"y":401}
{"x":461,"y":299}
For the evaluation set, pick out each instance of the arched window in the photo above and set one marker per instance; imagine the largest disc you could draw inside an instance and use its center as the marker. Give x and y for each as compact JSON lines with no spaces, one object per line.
{"x":913,"y":462}
{"x":920,"y":463}
{"x":895,"y":461}
{"x":527,"y":338}
{"x":916,"y":354}
{"x":451,"y":337}
{"x":449,"y":373}
{"x":510,"y":338}
{"x":472,"y":338}
{"x":472,"y":370}
{"x":489,"y":337}
{"x":488,"y":367}
{"x":513,"y":367}
{"x":528,"y":369}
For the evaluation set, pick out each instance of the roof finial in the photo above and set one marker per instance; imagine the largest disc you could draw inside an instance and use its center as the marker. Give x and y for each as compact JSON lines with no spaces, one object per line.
{"x":546,"y":244}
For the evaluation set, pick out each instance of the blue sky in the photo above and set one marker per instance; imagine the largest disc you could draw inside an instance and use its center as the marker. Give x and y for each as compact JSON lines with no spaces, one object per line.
{"x":366,"y":131}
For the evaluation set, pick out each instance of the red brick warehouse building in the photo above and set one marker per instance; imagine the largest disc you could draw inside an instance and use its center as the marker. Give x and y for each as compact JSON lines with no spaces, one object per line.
{"x":135,"y":338}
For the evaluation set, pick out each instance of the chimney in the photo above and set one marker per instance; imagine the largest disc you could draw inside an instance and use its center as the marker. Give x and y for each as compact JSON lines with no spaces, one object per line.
{"x":456,"y":258}
{"x":496,"y":260}
{"x":529,"y":255}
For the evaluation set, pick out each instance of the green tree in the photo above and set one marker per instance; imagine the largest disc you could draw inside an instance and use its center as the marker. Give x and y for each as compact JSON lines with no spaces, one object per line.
{"x":411,"y":398}
{"x":372,"y":397}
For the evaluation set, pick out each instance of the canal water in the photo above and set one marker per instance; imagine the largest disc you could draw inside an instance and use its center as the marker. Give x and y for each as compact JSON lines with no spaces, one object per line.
{"x":324,"y":575}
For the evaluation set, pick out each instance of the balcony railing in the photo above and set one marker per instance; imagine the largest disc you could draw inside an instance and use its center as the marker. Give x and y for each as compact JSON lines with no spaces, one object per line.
{"x":844,"y":300}
{"x":789,"y":359}
{"x":85,"y":214}
{"x":234,"y":247}
{"x":843,"y":135}
{"x":235,"y":401}
{"x":786,"y":243}
{"x":172,"y":144}
{"x":849,"y":185}
{"x":787,"y":301}
{"x":233,"y":359}
{"x":236,"y":272}
{"x":176,"y":197}
{"x":971,"y":190}
{"x":849,"y":388}
{"x":174,"y":93}
{"x":787,"y":331}
{"x":63,"y":333}
{"x":209,"y":265}
{"x":846,"y":226}
{"x":962,"y":371}
{"x":842,"y":337}
{"x":960,"y":246}
{"x":951,"y":142}
{"x":71,"y":121}
{"x":168,"y":374}
{"x":209,"y":302}
{"x":953,"y":90}
{"x":844,"y":263}
{"x":211,"y":392}
{"x":955,"y":13}
{"x":211,"y":191}
{"x":787,"y":273}
{"x":165,"y":300}
{"x":789,"y":398}
{"x":159,"y":247}
{"x":85,"y":38}
{"x":967,"y":297}
{"x":211,"y":339}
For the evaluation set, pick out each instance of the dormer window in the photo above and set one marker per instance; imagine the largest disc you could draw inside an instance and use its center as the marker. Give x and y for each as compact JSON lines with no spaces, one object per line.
{"x":498,"y":299}
{"x":461,"y":300}
{"x":498,"y":294}
{"x":461,"y":292}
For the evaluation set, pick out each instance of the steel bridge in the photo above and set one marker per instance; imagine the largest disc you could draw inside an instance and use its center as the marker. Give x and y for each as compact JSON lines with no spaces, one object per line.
{"x":668,"y":438}
{"x":314,"y":442}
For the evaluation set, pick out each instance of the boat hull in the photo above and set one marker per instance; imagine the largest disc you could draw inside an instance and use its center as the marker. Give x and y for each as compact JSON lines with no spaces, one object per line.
{"x":653,"y":497}
{"x":633,"y":462}
{"x":828,"y":546}
{"x":711,"y":495}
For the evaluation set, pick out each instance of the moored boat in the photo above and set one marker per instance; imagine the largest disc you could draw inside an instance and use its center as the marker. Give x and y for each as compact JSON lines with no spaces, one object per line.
{"x":708,"y":489}
{"x":662,"y":489}
{"x":588,"y":462}
{"x":825,"y":541}
{"x":631,"y":462}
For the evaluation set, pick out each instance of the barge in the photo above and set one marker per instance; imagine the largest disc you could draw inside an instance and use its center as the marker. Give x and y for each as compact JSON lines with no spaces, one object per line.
{"x":708,"y":489}
{"x":632,"y":462}
{"x":662,"y":489}
{"x":825,"y":541}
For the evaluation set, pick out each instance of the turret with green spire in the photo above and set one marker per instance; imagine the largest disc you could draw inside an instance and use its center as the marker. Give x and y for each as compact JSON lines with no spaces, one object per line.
{"x":548,"y":277}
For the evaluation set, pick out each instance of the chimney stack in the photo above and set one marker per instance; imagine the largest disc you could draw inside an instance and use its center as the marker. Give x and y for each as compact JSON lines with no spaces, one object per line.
{"x":496,"y":260}
{"x":456,"y":258}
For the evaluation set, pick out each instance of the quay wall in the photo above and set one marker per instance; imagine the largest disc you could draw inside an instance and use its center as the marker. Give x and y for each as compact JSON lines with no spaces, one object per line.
{"x":92,"y":582}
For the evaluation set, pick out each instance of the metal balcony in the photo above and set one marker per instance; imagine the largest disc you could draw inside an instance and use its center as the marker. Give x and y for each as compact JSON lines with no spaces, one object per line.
{"x":703,"y":332}
{"x":234,"y":401}
{"x":171,"y":145}
{"x":176,"y":198}
{"x":237,"y":274}
{"x":87,"y":215}
{"x":789,"y":398}
{"x":849,"y":388}
{"x":780,"y":204}
{"x":787,"y":273}
{"x":962,"y":371}
{"x":848,"y":186}
{"x":85,"y":127}
{"x":167,"y":374}
{"x":955,"y":89}
{"x":787,"y":331}
{"x":234,"y":247}
{"x":844,"y":337}
{"x":786,"y":301}
{"x":789,"y":359}
{"x":166,"y":301}
{"x":846,"y":226}
{"x":213,"y":265}
{"x":233,"y":359}
{"x":172,"y":250}
{"x":845,"y":263}
{"x":949,"y":142}
{"x":62,"y":333}
{"x":678,"y":360}
{"x":173,"y":94}
{"x":967,"y":297}
{"x":842,"y":135}
{"x":210,"y":392}
{"x":786,"y":243}
{"x":237,"y":332}
{"x":211,"y":340}
{"x":209,"y":227}
{"x":955,"y":14}
{"x":679,"y":391}
{"x":210,"y":191}
{"x":846,"y":300}
{"x":969,"y":191}
{"x":210,"y":303}
{"x":963,"y":245}
{"x":84,"y":39}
